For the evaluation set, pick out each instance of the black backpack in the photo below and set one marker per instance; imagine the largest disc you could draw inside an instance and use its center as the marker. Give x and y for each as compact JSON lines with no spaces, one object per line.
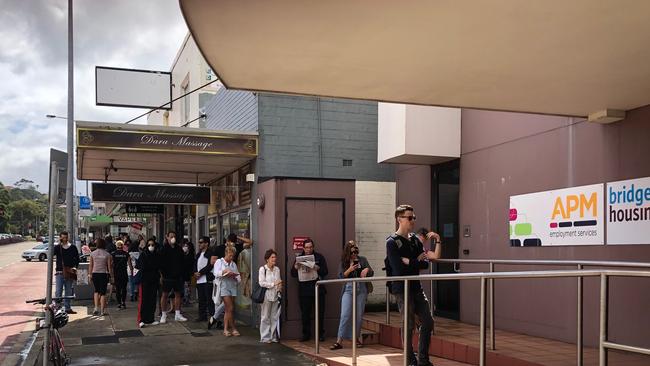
{"x":389,"y":271}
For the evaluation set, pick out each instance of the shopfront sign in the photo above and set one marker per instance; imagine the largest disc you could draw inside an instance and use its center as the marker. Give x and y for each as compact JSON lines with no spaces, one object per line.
{"x":628,"y":211}
{"x":167,"y":141}
{"x":571,"y":216}
{"x":145,"y":209}
{"x":149,"y":193}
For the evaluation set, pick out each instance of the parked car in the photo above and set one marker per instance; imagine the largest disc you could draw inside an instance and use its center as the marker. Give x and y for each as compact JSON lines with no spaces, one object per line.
{"x":38,"y":252}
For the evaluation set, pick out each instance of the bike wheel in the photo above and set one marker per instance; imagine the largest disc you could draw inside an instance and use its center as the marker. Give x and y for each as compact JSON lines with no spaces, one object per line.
{"x":58,"y":356}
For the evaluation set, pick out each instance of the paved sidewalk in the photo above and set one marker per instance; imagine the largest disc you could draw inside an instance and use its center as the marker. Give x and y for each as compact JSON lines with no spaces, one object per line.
{"x":116,"y":340}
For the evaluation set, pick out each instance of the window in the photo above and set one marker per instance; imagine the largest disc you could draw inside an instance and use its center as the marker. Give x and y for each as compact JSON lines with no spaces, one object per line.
{"x":186,"y":103}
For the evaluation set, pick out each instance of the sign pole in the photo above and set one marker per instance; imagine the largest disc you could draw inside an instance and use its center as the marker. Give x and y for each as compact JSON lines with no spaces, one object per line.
{"x":54,"y":189}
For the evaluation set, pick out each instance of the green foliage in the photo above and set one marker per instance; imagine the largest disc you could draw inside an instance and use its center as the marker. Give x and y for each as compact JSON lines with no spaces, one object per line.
{"x":24,"y":210}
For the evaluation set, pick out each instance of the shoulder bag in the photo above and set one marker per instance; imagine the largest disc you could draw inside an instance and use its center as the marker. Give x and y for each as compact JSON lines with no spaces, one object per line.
{"x":259,"y":292}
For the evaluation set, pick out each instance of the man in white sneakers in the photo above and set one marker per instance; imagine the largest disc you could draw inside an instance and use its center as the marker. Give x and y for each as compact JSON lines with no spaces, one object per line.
{"x":172,"y":273}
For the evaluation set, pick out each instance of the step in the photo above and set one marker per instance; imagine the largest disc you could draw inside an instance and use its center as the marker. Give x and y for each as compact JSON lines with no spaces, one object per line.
{"x":369,"y":337}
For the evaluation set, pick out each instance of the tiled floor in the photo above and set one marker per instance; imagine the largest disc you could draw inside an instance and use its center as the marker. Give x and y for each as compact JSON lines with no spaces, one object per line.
{"x":451,"y":335}
{"x":369,"y":355}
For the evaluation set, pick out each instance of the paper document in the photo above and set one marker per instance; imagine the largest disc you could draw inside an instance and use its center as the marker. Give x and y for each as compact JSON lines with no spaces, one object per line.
{"x":306,"y":271}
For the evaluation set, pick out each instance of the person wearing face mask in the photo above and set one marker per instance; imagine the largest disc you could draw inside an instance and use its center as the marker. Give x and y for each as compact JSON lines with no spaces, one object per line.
{"x":172,"y":259}
{"x":121,"y":264}
{"x":148,"y":263}
{"x":204,"y":279}
{"x":134,"y":277}
{"x":188,"y":270}
{"x":67,"y":261}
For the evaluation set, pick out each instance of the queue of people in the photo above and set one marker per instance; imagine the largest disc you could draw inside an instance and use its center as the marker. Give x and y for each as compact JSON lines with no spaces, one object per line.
{"x":158,"y":272}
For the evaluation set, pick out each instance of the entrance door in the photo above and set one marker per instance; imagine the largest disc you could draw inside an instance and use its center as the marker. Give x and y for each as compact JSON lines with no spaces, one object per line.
{"x":445,"y":187}
{"x":324,"y":222}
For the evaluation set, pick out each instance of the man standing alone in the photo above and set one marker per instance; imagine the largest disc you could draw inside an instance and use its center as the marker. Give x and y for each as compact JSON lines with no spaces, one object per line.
{"x":67,"y":261}
{"x":306,"y":291}
{"x":406,"y":257}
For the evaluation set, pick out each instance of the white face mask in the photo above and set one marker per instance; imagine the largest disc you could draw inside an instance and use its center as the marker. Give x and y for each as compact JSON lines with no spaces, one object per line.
{"x":151,"y":248}
{"x":172,"y":241}
{"x":186,"y":249}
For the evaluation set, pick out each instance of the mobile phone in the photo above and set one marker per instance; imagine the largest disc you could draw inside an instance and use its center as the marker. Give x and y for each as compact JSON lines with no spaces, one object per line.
{"x":355,"y":262}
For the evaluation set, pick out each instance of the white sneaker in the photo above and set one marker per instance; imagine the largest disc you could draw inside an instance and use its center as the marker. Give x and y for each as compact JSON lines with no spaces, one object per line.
{"x":163,"y":318}
{"x":154,"y":323}
{"x":180,"y":318}
{"x":141,"y":325}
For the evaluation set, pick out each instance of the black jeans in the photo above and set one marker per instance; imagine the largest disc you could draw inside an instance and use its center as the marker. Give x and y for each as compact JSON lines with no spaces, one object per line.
{"x":206,"y":305}
{"x":120,"y":289}
{"x":307,"y":309}
{"x":418,"y":306}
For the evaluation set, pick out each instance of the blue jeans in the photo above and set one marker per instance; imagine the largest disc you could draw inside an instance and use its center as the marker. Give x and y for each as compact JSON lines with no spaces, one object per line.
{"x":345,"y":325}
{"x":69,"y":289}
{"x":134,"y":287}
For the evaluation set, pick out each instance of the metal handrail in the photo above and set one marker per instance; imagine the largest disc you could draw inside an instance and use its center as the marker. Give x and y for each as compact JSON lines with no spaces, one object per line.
{"x":580,"y":264}
{"x":604,"y":275}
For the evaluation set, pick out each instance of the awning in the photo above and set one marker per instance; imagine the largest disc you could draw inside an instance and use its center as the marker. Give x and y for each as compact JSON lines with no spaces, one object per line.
{"x":144,"y":153}
{"x":543,"y":56}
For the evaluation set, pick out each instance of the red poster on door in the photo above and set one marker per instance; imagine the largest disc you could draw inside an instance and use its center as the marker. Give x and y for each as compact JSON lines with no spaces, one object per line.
{"x":299,"y":242}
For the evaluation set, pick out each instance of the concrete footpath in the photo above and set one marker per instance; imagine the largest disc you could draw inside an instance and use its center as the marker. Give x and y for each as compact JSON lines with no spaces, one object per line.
{"x":115,"y":339}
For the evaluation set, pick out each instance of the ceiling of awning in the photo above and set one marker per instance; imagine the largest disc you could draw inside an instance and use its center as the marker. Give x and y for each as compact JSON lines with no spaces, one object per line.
{"x":542,"y":56}
{"x":138,"y":165}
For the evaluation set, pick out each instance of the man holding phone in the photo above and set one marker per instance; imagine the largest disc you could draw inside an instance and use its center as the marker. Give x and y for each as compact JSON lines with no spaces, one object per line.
{"x":406,"y":257}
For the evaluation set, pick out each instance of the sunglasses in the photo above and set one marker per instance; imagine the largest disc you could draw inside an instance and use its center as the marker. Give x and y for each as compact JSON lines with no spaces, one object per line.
{"x":410,"y":218}
{"x":355,"y":251}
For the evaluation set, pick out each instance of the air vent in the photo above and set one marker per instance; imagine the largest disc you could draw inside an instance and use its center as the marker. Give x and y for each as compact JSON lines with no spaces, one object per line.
{"x":347,"y":162}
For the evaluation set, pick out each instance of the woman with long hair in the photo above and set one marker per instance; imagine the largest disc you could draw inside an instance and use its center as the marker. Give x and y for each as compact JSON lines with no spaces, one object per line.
{"x":352,"y":266}
{"x":225,"y":270}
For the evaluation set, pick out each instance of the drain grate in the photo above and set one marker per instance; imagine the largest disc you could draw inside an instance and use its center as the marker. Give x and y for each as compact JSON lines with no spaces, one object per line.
{"x":99,"y":340}
{"x":129,"y":333}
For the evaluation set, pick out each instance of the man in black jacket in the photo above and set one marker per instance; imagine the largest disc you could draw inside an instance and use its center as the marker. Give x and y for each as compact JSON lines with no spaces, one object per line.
{"x":67,"y":261}
{"x":306,"y":292}
{"x":406,"y":257}
{"x":204,"y":278}
{"x":172,"y":258}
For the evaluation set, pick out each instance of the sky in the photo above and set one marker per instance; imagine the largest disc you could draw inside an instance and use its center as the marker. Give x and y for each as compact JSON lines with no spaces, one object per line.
{"x":143,"y":34}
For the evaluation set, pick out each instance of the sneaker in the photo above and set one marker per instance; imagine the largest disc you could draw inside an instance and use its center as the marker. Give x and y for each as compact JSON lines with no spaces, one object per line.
{"x":211,"y":322}
{"x":141,"y":325}
{"x":275,"y":340}
{"x":163,"y":318}
{"x":155,"y":323}
{"x":180,"y":318}
{"x":104,"y":313}
{"x":96,"y":312}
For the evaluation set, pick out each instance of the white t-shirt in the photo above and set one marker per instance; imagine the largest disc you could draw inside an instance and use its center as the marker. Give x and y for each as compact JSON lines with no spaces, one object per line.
{"x":200,"y":264}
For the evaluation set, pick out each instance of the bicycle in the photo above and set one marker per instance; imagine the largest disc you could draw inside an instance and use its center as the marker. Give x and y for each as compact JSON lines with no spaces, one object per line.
{"x":59,"y":318}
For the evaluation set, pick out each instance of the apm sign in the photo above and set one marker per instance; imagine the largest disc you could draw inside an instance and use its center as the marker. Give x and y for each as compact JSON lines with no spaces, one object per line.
{"x":571,"y":216}
{"x":149,"y":193}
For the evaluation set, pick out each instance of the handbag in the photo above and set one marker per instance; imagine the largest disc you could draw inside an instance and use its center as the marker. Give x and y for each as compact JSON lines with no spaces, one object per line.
{"x":259,"y":292}
{"x":69,"y":273}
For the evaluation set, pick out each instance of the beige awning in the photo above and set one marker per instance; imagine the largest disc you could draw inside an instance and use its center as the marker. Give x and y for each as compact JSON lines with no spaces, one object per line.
{"x":561,"y":57}
{"x":116,"y":152}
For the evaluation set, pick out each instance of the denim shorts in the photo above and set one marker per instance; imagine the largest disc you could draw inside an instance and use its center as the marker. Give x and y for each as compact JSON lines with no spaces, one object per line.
{"x":228,"y":287}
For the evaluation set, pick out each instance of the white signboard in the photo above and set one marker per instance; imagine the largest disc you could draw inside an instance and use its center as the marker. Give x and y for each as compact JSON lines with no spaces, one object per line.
{"x":571,"y":216}
{"x":132,"y":88}
{"x":628,"y":211}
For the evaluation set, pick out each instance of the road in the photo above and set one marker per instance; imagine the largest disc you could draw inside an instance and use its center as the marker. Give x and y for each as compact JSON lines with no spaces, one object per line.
{"x":19,"y":280}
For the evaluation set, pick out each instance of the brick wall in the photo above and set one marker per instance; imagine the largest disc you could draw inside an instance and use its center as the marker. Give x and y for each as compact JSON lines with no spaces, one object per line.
{"x":375,"y":207}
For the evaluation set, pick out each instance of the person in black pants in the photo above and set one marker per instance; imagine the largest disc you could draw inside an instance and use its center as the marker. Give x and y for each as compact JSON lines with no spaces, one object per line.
{"x":204,"y":278}
{"x":149,"y":265}
{"x":306,"y":292}
{"x":120,"y":264}
{"x":406,"y":257}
